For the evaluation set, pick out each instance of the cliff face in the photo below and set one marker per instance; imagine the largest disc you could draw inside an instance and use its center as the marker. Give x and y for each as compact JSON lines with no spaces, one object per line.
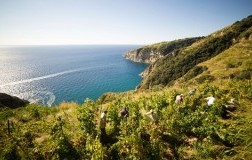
{"x":146,"y":71}
{"x":151,"y":53}
{"x":143,"y":55}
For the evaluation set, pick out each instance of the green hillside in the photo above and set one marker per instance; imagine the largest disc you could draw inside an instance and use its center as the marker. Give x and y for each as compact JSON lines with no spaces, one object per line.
{"x":167,"y":47}
{"x":173,"y":66}
{"x":189,"y":130}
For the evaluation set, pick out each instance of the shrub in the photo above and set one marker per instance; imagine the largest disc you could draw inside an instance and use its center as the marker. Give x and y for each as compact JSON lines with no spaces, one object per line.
{"x":4,"y":115}
{"x":86,"y":117}
{"x":195,"y":71}
{"x":243,"y":75}
{"x":94,"y":149}
{"x":233,"y":65}
{"x":63,"y":147}
{"x":10,"y":152}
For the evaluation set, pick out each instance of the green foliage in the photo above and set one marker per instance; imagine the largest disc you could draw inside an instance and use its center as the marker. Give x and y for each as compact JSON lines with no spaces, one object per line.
{"x":10,"y":152}
{"x":94,"y":149}
{"x":194,"y":72}
{"x":4,"y":115}
{"x":63,"y":147}
{"x":207,"y":150}
{"x":86,"y":117}
{"x":243,"y":75}
{"x":113,"y":116}
{"x":35,"y":113}
{"x":129,"y":147}
{"x":57,"y":128}
{"x":27,"y":139}
{"x":165,"y":48}
{"x":231,"y":65}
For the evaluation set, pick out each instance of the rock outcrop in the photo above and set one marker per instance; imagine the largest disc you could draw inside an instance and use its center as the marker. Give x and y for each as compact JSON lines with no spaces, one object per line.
{"x":143,"y":55}
{"x":11,"y":101}
{"x":146,"y":71}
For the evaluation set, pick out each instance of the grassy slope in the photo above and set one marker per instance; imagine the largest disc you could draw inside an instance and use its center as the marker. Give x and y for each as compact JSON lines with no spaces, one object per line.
{"x":171,"y":67}
{"x":228,"y":64}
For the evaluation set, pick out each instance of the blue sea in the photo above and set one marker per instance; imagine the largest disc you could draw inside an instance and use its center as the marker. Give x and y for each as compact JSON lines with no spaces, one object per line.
{"x":52,"y":74}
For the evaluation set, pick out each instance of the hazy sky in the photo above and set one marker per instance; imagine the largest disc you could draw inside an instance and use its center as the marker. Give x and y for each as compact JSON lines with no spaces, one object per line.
{"x":114,"y":21}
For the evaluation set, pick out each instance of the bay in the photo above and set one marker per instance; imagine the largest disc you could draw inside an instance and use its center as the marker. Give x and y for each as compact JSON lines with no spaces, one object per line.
{"x":52,"y":74}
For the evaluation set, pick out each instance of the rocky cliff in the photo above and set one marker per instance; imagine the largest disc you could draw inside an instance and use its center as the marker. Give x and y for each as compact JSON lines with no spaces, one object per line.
{"x":144,"y":55}
{"x":151,"y":53}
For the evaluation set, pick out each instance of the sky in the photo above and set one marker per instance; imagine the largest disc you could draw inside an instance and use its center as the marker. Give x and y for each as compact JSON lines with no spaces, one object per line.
{"x":61,"y":22}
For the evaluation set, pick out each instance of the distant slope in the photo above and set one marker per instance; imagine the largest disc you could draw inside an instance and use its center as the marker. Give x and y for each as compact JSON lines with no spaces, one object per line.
{"x":171,"y":67}
{"x":150,"y":53}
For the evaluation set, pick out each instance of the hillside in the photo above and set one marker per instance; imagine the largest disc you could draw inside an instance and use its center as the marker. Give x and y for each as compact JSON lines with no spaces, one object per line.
{"x":173,"y":66}
{"x":190,"y":129}
{"x":151,"y":53}
{"x":234,"y":63}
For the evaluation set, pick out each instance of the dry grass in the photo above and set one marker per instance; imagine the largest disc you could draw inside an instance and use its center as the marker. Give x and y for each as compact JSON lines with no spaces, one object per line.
{"x":42,"y":139}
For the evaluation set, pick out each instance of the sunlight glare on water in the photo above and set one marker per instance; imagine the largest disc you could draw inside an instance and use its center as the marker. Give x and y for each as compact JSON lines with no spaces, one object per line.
{"x":52,"y":74}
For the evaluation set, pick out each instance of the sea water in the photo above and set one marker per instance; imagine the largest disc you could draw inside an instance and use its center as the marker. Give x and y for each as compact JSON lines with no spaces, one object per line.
{"x":52,"y":74}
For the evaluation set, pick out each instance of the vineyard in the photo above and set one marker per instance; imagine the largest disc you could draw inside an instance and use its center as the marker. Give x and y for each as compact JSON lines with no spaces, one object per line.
{"x":189,"y":130}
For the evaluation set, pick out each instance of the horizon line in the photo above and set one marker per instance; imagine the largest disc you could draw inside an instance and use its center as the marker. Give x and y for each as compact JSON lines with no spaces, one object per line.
{"x":68,"y":44}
